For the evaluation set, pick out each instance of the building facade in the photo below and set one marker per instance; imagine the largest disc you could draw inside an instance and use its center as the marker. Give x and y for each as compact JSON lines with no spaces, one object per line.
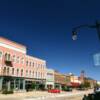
{"x":17,"y":69}
{"x":92,"y":83}
{"x":74,"y":80}
{"x":98,"y":83}
{"x":50,"y":79}
{"x":60,"y":80}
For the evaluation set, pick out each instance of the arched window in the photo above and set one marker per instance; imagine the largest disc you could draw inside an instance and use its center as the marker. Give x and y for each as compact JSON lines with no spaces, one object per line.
{"x":17,"y":72}
{"x":7,"y":70}
{"x":14,"y":58}
{"x":26,"y":72}
{"x":21,"y":72}
{"x":41,"y":66}
{"x":30,"y":72}
{"x":38,"y":74}
{"x":0,"y":54}
{"x":41,"y":74}
{"x":7,"y":57}
{"x":33,"y":64}
{"x":18,"y":59}
{"x":4,"y":70}
{"x":30,"y":63}
{"x":26,"y":63}
{"x":12,"y":71}
{"x":22,"y":60}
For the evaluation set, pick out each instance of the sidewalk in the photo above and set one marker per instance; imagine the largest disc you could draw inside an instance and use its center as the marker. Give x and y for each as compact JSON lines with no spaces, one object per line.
{"x":40,"y":95}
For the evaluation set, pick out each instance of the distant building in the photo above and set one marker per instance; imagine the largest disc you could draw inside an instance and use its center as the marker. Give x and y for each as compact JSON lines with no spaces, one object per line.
{"x":98,"y":83}
{"x":50,"y":79}
{"x":60,"y":80}
{"x":91,"y":81}
{"x":82,"y":77}
{"x":74,"y":80}
{"x":85,"y":79}
{"x":17,"y":69}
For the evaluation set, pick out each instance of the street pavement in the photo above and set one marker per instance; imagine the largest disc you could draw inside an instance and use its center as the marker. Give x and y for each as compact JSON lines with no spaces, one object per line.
{"x":39,"y":95}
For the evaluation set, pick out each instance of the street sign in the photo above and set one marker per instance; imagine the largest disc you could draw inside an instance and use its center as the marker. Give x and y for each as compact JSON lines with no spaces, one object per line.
{"x":97,"y":59}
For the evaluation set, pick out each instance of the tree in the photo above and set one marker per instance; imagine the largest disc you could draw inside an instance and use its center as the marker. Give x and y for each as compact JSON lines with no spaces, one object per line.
{"x":87,"y":84}
{"x":42,"y":87}
{"x":33,"y":86}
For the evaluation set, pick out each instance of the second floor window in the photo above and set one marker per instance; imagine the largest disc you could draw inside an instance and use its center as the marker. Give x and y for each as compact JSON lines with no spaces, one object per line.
{"x":26,"y":72}
{"x":4,"y":70}
{"x":7,"y":57}
{"x":12,"y":71}
{"x":38,"y":74}
{"x":17,"y":72}
{"x":22,"y":60}
{"x":41,"y":74}
{"x":26,"y":63}
{"x":21,"y":72}
{"x":14,"y":58}
{"x":17,"y":59}
{"x":30,"y":72}
{"x":33,"y":64}
{"x":0,"y":54}
{"x":7,"y":70}
{"x":30,"y":63}
{"x":38,"y":65}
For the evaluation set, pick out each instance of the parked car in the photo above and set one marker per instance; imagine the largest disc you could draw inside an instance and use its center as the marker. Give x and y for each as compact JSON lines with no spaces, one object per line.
{"x":54,"y":91}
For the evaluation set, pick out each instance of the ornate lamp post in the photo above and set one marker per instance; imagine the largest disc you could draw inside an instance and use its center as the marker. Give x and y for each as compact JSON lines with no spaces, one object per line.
{"x":76,"y":29}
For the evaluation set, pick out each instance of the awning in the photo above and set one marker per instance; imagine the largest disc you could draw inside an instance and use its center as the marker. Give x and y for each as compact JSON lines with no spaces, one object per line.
{"x":73,"y":84}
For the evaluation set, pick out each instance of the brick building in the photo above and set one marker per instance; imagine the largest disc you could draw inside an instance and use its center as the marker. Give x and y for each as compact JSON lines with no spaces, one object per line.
{"x":60,"y":80}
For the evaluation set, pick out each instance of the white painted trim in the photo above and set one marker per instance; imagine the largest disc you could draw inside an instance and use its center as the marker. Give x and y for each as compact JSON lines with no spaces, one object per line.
{"x":36,"y":59}
{"x":13,"y":48}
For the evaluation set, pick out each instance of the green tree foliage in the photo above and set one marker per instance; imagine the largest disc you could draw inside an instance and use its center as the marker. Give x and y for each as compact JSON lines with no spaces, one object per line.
{"x":87,"y":84}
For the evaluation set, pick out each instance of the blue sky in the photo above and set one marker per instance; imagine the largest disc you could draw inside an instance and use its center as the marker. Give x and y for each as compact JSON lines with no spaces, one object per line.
{"x":45,"y":26}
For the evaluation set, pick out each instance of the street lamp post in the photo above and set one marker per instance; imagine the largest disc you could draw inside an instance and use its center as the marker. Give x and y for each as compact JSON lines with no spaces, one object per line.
{"x":76,"y":29}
